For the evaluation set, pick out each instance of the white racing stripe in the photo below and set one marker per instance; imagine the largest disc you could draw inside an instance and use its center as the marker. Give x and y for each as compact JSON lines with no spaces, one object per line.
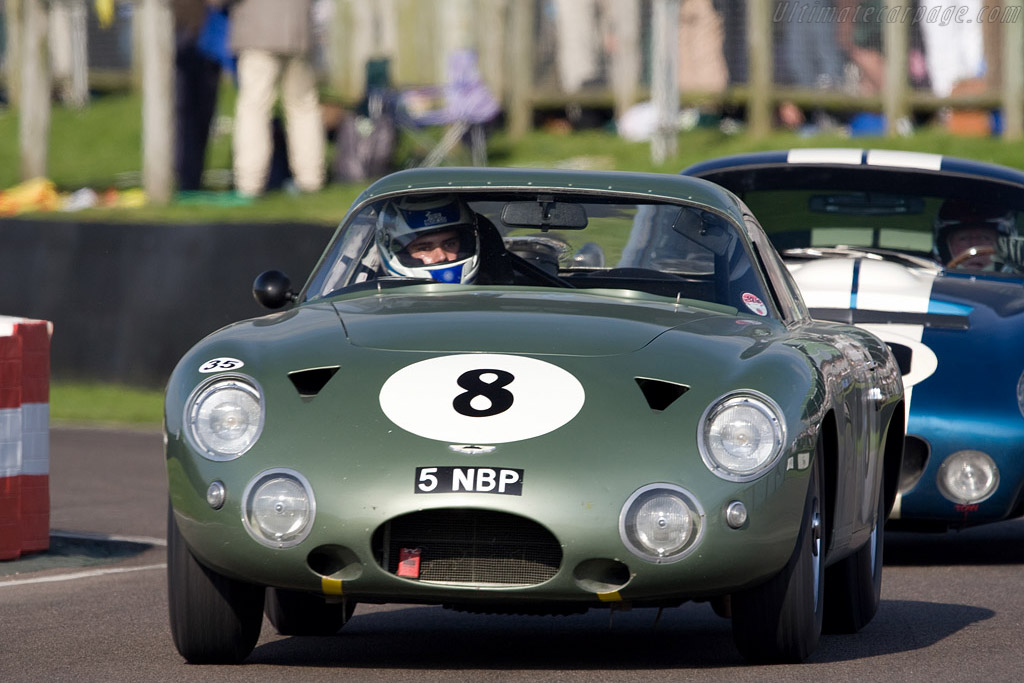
{"x":824,"y":155}
{"x":921,"y":160}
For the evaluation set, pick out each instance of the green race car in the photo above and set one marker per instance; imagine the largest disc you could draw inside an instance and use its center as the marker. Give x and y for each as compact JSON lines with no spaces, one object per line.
{"x":537,"y":392}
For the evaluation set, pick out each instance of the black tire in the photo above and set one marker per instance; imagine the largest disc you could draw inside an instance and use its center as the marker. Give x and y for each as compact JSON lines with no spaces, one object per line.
{"x":781,"y":619}
{"x":294,"y":613}
{"x":214,"y":619}
{"x":853,"y":586}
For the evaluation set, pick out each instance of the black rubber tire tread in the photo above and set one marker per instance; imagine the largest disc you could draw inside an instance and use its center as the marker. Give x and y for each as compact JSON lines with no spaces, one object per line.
{"x":294,"y":613}
{"x":776,"y":622}
{"x":853,"y":586}
{"x":214,"y":619}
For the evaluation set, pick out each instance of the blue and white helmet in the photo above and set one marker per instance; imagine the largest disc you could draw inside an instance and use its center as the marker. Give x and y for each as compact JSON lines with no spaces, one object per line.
{"x":402,"y":222}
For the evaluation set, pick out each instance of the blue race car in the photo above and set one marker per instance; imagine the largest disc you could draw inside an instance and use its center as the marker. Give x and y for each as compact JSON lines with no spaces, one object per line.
{"x":924,"y":251}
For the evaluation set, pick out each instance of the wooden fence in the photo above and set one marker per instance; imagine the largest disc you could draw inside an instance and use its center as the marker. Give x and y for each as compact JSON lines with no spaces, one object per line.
{"x":518,"y":43}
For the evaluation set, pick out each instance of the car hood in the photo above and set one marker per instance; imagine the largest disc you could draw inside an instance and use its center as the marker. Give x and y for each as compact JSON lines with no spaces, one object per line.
{"x":865,"y":284}
{"x":571,"y":323}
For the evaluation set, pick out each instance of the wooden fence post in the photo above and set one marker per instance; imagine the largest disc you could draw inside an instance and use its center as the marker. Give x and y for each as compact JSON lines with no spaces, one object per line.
{"x":761,"y":65}
{"x":13,"y":10}
{"x":34,"y":122}
{"x":664,"y":78}
{"x":518,"y":99}
{"x":1013,"y":72}
{"x":156,"y":31}
{"x":895,"y":42}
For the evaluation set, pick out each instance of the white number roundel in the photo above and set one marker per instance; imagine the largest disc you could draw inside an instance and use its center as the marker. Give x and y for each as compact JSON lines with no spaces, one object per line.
{"x":481,"y":398}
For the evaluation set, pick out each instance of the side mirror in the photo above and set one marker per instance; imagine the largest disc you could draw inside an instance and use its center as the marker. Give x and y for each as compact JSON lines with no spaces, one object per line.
{"x":272,"y":289}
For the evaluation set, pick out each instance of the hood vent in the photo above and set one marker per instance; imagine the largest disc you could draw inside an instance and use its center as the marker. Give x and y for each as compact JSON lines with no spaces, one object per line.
{"x":310,"y":382}
{"x":659,"y":393}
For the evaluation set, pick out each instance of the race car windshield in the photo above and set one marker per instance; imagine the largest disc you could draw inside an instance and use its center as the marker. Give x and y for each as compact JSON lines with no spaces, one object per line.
{"x":663,"y":249}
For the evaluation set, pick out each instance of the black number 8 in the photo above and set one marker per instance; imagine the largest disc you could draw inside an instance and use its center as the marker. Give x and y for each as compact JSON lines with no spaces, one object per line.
{"x":472,"y":381}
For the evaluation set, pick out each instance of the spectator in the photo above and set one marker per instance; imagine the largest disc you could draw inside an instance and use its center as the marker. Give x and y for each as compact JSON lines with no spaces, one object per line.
{"x":954,"y":50}
{"x":199,"y":32}
{"x":862,"y":41}
{"x":273,"y":41}
{"x":809,"y":48}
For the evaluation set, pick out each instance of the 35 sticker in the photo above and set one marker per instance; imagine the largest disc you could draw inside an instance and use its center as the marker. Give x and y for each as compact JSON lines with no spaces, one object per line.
{"x":481,"y":398}
{"x":220,"y":365}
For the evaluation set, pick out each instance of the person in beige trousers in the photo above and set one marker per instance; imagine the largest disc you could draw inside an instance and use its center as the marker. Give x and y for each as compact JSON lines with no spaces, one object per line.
{"x":273,"y":42}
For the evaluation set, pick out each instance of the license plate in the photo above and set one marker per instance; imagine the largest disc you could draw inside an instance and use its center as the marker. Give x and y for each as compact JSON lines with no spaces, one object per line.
{"x":501,"y":480}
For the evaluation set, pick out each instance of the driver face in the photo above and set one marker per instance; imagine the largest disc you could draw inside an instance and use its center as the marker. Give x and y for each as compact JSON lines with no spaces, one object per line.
{"x":437,"y":247}
{"x":962,"y":239}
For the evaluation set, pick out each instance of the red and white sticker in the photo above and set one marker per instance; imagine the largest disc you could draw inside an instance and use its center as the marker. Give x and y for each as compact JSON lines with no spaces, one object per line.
{"x":755,"y":304}
{"x":481,"y":398}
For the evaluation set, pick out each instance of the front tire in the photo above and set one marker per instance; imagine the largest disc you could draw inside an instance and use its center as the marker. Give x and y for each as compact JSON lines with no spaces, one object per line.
{"x":781,"y":619}
{"x":294,"y":613}
{"x":854,"y":585}
{"x":214,"y":619}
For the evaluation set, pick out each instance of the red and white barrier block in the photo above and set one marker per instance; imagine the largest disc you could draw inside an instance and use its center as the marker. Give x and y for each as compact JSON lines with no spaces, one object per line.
{"x":24,"y":436}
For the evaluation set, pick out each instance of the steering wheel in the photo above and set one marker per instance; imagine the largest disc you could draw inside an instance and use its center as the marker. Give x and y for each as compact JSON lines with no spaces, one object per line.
{"x":968,"y":254}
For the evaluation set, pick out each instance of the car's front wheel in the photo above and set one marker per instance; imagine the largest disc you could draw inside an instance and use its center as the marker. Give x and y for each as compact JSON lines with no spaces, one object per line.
{"x":781,"y":619}
{"x":214,"y":619}
{"x":853,"y":586}
{"x":294,"y":613}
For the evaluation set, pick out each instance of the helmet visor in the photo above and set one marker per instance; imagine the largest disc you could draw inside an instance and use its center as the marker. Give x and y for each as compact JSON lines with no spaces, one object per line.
{"x":443,"y":245}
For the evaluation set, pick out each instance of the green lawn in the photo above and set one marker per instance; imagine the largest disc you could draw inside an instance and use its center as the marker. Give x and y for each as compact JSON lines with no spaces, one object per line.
{"x":105,"y":404}
{"x":99,"y":147}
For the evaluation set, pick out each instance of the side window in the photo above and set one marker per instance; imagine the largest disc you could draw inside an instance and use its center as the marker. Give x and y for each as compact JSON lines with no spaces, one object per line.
{"x":784,"y":290}
{"x":349,"y":260}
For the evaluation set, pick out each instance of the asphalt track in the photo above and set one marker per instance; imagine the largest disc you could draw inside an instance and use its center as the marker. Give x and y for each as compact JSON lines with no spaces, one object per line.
{"x":95,"y":609}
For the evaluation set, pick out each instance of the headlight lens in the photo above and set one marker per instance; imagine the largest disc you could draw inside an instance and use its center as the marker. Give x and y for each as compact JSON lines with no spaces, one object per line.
{"x":968,"y":477}
{"x":225,"y":418}
{"x":741,"y":435}
{"x":1020,"y":393}
{"x":279,"y":508}
{"x":661,"y":523}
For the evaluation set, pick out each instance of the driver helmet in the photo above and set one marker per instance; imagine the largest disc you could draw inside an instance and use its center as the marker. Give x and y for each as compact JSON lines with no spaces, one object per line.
{"x":403,"y":222}
{"x":965,"y":213}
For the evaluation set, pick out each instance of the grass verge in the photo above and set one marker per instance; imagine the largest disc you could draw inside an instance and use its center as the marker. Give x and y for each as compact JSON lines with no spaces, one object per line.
{"x":98,"y":403}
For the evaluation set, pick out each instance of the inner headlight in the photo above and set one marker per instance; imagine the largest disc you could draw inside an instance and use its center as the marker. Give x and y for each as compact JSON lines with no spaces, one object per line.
{"x":661,"y":523}
{"x":968,"y":477}
{"x":1020,"y":393}
{"x":741,"y":435}
{"x":279,"y":508}
{"x":225,"y":418}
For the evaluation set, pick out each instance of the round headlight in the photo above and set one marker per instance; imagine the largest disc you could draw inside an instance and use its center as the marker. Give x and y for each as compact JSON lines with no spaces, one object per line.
{"x":741,"y":435}
{"x":225,"y":418}
{"x":1020,"y":393}
{"x":279,"y":508}
{"x":968,"y":477}
{"x":661,"y":523}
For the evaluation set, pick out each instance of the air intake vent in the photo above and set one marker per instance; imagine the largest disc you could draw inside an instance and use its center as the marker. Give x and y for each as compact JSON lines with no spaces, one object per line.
{"x":310,"y":382}
{"x":659,"y":393}
{"x":471,"y":547}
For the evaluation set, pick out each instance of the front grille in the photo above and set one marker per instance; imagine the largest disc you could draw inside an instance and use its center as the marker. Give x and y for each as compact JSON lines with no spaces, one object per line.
{"x":471,"y":547}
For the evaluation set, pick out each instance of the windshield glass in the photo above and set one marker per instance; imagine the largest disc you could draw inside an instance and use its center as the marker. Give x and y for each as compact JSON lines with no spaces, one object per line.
{"x":932,"y":220}
{"x":572,"y":241}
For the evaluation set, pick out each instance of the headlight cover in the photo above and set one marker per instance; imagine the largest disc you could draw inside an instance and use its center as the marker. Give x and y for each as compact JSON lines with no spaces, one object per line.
{"x":968,"y":477}
{"x":661,"y":523}
{"x":279,"y":508}
{"x":741,"y":435}
{"x":225,"y":417}
{"x":1020,"y":393}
